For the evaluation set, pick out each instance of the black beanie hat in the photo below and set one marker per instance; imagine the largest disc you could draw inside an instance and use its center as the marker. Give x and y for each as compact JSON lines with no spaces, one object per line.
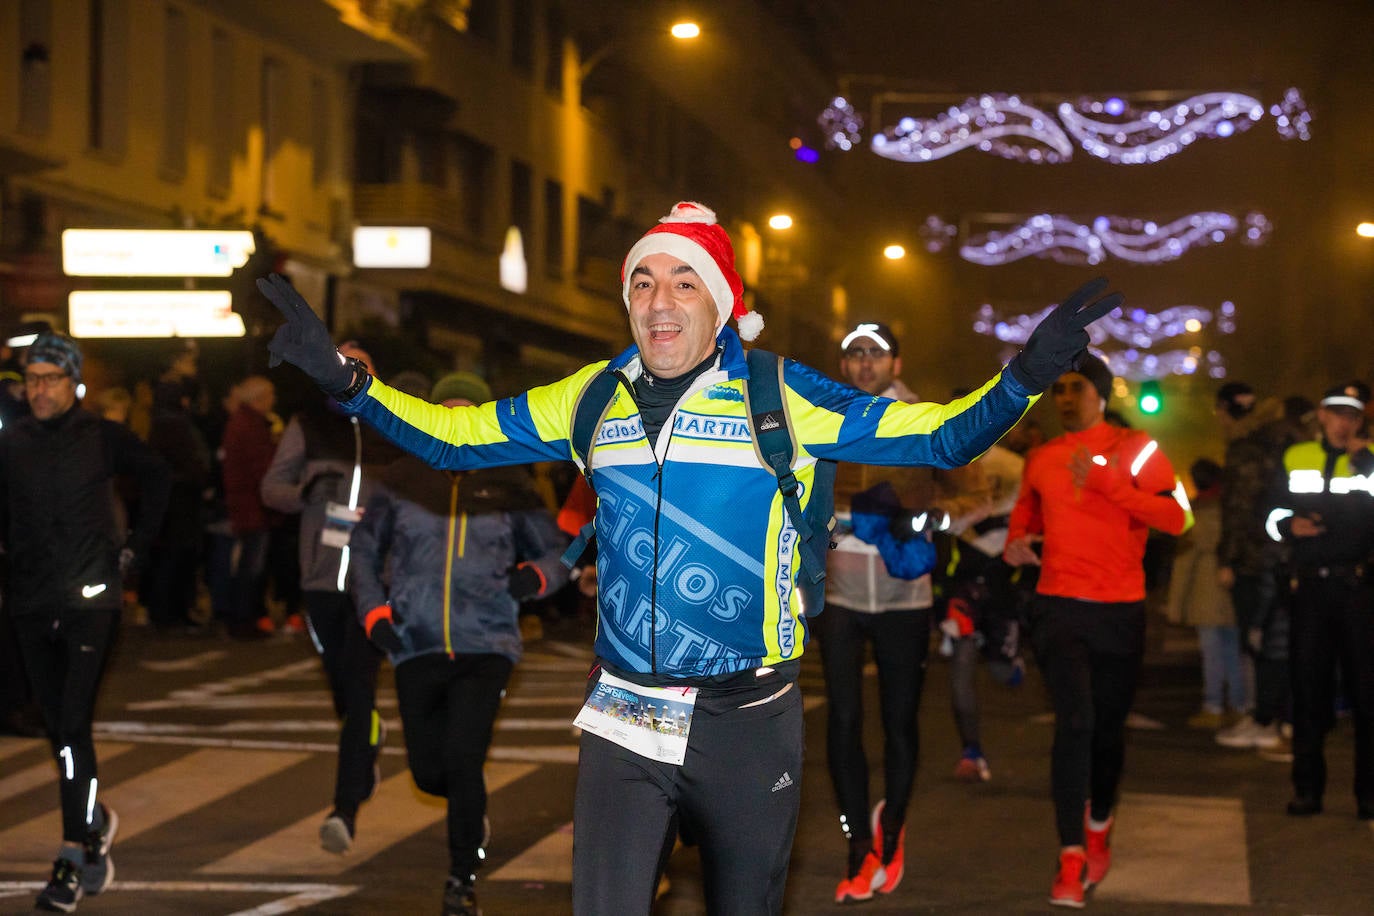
{"x":1096,"y":371}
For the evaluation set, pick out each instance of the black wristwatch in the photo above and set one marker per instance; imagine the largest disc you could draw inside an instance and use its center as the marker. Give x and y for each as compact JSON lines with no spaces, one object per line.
{"x":360,"y":377}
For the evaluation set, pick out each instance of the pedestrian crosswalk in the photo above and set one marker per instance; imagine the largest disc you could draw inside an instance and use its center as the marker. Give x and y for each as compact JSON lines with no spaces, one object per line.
{"x":221,"y":788}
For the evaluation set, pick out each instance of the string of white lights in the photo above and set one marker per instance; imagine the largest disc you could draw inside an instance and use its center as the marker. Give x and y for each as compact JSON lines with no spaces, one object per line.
{"x":986,"y":123}
{"x":1141,"y":241}
{"x":1110,"y":129}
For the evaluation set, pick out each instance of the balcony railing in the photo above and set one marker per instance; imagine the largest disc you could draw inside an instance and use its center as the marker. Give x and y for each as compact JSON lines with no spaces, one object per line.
{"x":415,"y":203}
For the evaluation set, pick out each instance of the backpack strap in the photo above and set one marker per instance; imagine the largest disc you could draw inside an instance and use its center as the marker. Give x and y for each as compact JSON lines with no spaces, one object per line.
{"x":773,"y":435}
{"x":589,"y":412}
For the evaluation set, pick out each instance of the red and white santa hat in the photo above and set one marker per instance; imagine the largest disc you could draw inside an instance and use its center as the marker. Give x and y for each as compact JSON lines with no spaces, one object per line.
{"x":691,"y":234}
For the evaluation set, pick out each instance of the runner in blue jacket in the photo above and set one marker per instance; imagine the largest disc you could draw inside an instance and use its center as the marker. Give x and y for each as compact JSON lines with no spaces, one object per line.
{"x":442,"y":560}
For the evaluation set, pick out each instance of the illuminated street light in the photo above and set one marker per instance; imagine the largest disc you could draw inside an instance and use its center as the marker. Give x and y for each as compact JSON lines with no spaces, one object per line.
{"x":779,"y":221}
{"x":894,"y":252}
{"x":682,"y":31}
{"x":1365,"y":230}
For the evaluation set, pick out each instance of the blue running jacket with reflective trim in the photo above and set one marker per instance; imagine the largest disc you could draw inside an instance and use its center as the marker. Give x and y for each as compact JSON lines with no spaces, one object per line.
{"x":697,"y":560}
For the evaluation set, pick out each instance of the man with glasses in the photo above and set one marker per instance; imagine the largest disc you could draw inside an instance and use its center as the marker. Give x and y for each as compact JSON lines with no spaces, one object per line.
{"x":67,"y":558}
{"x":866,"y":602}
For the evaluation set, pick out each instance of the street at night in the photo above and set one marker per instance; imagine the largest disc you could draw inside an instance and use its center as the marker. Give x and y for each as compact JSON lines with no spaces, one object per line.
{"x":219,"y":756}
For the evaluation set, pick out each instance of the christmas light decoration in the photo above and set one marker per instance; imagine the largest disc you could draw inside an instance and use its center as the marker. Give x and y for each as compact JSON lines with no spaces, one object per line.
{"x":986,"y":123}
{"x":841,"y":124}
{"x":1112,"y":129}
{"x":1139,"y":330}
{"x":1141,"y":241}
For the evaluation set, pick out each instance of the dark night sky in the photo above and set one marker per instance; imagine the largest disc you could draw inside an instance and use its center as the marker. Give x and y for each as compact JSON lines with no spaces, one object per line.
{"x":1298,"y":295}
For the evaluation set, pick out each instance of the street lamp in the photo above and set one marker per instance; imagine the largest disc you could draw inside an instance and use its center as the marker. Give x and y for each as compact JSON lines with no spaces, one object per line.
{"x":894,"y":252}
{"x":780,"y":221}
{"x":1365,"y":230}
{"x":681,"y":31}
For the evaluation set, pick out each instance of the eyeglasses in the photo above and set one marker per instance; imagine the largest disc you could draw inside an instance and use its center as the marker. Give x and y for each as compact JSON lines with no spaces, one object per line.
{"x":873,"y":353}
{"x":44,"y":380}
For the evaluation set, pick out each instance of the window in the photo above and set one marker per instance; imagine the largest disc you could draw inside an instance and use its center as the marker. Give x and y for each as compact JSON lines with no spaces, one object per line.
{"x":175,"y":100}
{"x":272,"y":118}
{"x":554,"y":35}
{"x":553,"y":228}
{"x":522,"y":35}
{"x":484,"y":20}
{"x":321,"y":121}
{"x":522,"y":198}
{"x":223,"y":123}
{"x":473,"y":163}
{"x":107,"y":76}
{"x":35,"y":67}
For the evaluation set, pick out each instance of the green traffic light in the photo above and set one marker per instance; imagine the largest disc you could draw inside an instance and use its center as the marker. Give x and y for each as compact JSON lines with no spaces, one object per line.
{"x":1151,"y":401}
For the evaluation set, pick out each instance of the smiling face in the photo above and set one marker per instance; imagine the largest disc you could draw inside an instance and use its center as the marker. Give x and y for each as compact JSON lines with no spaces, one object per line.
{"x":673,"y":318}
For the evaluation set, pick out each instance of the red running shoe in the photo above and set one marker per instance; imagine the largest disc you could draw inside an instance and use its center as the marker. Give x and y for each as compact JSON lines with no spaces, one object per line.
{"x":895,"y":868}
{"x":1098,"y":851}
{"x":862,"y":885}
{"x":1067,"y":889}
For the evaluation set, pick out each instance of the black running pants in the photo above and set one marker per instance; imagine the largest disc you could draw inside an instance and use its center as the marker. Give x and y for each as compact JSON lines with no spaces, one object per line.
{"x":736,"y":795}
{"x":448,"y":706}
{"x":351,"y":663}
{"x":901,"y":643}
{"x":1090,"y":654}
{"x":64,"y":658}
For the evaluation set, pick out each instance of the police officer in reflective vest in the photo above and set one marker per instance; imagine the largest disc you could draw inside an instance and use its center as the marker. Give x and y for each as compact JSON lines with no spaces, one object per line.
{"x":1325,"y":508}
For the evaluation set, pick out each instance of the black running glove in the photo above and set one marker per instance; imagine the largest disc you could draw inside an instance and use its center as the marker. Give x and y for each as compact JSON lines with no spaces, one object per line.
{"x":525,"y":581}
{"x":380,"y":626}
{"x":303,"y":341}
{"x":1061,"y":338}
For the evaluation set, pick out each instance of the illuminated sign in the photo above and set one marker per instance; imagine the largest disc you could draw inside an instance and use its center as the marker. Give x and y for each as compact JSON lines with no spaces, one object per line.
{"x":390,"y":246}
{"x":154,"y":252}
{"x":153,"y":313}
{"x":514,"y":271}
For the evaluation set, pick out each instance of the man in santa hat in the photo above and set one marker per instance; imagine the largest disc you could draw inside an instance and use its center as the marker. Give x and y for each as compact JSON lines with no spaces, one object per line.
{"x":698,"y":608}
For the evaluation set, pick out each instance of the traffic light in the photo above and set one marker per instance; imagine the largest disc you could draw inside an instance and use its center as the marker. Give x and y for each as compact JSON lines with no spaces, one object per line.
{"x":1151,"y":401}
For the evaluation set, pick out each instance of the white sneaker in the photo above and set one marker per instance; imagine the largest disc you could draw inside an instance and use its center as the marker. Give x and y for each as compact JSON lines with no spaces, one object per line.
{"x":1247,"y":733}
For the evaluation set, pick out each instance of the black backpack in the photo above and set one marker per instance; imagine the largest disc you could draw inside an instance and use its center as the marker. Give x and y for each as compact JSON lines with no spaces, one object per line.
{"x":768,"y":424}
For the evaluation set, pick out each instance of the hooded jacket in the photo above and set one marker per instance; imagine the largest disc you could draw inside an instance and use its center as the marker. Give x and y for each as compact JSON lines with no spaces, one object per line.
{"x":438,"y":546}
{"x":697,"y":558}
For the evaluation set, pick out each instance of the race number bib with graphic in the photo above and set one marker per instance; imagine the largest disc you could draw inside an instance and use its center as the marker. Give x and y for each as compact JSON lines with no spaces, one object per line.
{"x":651,"y":721}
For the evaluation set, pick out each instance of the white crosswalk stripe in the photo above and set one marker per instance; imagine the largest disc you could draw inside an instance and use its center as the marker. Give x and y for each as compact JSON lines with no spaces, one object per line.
{"x":397,"y":811}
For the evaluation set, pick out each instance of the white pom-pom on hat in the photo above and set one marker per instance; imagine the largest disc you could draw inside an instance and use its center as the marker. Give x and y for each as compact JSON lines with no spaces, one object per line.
{"x":750,"y":325}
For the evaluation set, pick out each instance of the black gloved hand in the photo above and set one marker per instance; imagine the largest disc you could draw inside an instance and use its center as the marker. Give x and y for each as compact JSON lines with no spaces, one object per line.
{"x":1061,"y":338}
{"x":385,"y":637}
{"x":380,"y":627}
{"x":303,"y":341}
{"x":524,"y":581}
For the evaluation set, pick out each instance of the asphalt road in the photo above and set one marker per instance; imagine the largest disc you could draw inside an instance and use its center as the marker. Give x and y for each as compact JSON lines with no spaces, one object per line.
{"x":219,"y":758}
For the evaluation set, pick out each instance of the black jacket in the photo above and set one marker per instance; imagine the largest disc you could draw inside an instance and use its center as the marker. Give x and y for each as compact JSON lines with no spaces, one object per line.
{"x":57,"y":514}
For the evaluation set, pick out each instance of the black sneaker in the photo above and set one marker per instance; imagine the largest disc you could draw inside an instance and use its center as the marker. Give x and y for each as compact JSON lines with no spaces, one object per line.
{"x":1304,"y":806}
{"x":460,"y":899}
{"x":63,"y":890}
{"x":98,"y":870}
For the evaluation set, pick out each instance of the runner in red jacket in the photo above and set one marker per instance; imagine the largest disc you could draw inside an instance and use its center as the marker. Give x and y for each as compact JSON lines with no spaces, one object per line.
{"x":1088,"y":498}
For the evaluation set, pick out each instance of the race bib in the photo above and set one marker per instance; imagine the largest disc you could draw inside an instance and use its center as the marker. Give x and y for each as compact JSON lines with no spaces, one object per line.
{"x":651,"y":721}
{"x":338,"y":524}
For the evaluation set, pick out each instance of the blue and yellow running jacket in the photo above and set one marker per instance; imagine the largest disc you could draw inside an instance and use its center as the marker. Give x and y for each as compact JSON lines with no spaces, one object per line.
{"x":697,"y":559}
